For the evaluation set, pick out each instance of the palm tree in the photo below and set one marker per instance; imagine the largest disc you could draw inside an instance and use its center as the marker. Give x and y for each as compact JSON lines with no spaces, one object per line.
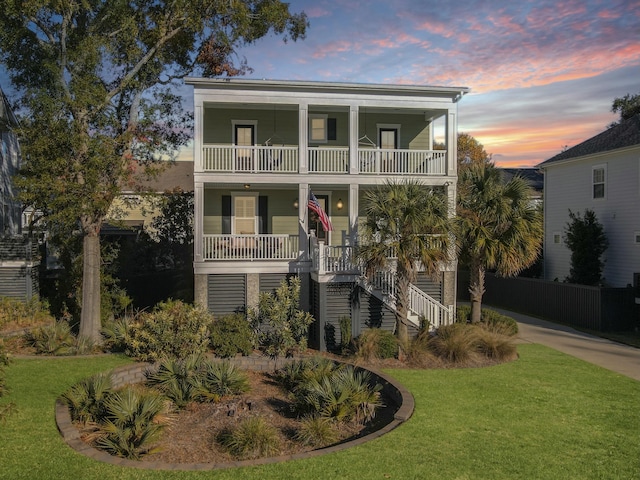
{"x":497,"y":226}
{"x":410,"y":222}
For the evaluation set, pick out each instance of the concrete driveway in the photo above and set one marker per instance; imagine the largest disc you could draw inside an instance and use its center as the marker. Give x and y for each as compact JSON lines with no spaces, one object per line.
{"x":613,"y":356}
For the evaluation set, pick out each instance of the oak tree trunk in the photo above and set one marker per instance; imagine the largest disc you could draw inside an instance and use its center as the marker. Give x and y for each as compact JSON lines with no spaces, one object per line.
{"x":90,"y":316}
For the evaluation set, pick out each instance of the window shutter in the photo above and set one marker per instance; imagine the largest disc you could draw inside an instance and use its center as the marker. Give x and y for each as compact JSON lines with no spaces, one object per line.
{"x":263,"y":218}
{"x":226,"y":214}
{"x":332,"y":129}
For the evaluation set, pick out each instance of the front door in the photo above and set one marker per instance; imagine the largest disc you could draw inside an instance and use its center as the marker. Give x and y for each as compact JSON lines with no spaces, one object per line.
{"x":244,"y":135}
{"x":314,"y":221}
{"x":388,"y":141}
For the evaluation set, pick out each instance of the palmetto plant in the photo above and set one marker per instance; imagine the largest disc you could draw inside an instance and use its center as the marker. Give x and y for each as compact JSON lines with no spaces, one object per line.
{"x":497,"y":226}
{"x":133,"y":422}
{"x":219,"y":379}
{"x":413,"y":221}
{"x":87,"y":399}
{"x":196,"y":378}
{"x":299,"y":371}
{"x":344,"y":395}
{"x":176,"y":378}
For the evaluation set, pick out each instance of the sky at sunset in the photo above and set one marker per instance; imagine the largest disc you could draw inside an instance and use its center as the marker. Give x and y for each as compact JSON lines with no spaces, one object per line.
{"x":542,"y":74}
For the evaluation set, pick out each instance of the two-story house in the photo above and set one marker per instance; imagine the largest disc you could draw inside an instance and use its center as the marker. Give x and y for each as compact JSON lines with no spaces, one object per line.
{"x":601,"y":174}
{"x":262,"y":148}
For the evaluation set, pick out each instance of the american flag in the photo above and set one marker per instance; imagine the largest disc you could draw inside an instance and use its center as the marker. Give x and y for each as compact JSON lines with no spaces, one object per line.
{"x":322,"y":215}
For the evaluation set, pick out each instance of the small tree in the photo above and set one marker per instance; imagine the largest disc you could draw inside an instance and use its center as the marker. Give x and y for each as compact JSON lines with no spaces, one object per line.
{"x":280,"y":326}
{"x":586,"y":239}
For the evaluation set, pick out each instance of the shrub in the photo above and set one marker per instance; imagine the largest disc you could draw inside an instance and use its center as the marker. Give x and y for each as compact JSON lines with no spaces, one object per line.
{"x":507,"y":325}
{"x":57,"y":339}
{"x":134,"y":419}
{"x":376,"y":343}
{"x":231,"y":335}
{"x":15,"y":313}
{"x":495,"y":344}
{"x":455,"y":343}
{"x":463,"y":313}
{"x":86,"y":399}
{"x":252,"y":438}
{"x":172,"y":329}
{"x":419,"y":355}
{"x":280,"y":326}
{"x":345,"y":334}
{"x":316,"y":431}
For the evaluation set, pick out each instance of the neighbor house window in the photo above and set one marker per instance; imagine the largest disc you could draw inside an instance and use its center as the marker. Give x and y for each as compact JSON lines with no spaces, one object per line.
{"x":637,"y":237}
{"x":318,"y":128}
{"x":557,"y":238}
{"x":599,"y":181}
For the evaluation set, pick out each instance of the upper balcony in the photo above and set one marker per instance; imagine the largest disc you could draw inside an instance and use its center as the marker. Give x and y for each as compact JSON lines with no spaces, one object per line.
{"x":322,"y":160}
{"x":305,"y":128}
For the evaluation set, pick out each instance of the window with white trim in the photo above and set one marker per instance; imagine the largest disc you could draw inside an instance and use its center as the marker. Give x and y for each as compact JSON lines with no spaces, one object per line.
{"x":599,"y":177}
{"x":245,"y":214}
{"x":318,"y":128}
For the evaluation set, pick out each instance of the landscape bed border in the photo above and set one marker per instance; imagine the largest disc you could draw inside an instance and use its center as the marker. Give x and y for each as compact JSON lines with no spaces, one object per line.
{"x":131,"y":374}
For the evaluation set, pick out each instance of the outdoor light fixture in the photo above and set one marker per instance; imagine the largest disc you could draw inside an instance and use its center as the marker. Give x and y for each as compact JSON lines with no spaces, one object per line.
{"x":339,"y":204}
{"x":247,"y":186}
{"x":295,"y":203}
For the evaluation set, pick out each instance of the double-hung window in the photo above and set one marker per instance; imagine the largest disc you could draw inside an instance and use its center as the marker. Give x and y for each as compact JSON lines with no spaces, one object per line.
{"x":599,"y":181}
{"x":318,"y":128}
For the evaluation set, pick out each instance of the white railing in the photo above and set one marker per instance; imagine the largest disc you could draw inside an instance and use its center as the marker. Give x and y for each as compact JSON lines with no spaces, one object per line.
{"x":250,"y":247}
{"x":233,"y":158}
{"x":284,"y":159}
{"x":340,"y":259}
{"x":333,"y":259}
{"x":429,"y":308}
{"x":402,"y":162}
{"x":328,"y":159}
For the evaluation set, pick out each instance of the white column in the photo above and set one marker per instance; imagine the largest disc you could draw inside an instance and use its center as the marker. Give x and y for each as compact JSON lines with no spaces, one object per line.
{"x":198,"y":221}
{"x":354,"y":205}
{"x":303,"y":137}
{"x":353,"y":139}
{"x":452,"y":143}
{"x":303,"y":238}
{"x":198,"y":119}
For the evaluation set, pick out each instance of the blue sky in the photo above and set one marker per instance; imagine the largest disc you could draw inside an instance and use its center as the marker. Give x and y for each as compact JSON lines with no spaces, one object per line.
{"x":542,"y":74}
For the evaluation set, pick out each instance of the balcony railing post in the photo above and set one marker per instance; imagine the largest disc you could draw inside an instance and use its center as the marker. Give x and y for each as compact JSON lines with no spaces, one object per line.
{"x":322,"y":257}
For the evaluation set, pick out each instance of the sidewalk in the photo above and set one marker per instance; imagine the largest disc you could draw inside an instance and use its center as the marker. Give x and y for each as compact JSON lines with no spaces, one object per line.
{"x":613,"y":356}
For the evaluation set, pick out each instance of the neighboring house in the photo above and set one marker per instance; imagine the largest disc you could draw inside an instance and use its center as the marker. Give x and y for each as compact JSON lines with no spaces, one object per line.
{"x":601,"y":174}
{"x":133,"y":211}
{"x":262,"y":147}
{"x":18,"y":259}
{"x":533,"y":176}
{"x":9,"y":165}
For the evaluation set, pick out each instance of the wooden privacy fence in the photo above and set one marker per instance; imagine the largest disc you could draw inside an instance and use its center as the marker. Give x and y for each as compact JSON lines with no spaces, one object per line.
{"x":596,"y":308}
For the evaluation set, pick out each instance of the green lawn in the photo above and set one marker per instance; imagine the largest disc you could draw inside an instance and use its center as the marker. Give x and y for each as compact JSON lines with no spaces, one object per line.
{"x":546,"y":415}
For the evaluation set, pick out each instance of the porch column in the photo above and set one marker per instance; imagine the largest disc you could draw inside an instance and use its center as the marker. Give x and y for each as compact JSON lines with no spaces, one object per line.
{"x":198,"y":216}
{"x":303,"y":139}
{"x":198,"y":113}
{"x":354,"y":205}
{"x":353,"y":139}
{"x":452,"y":143}
{"x":303,"y":238}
